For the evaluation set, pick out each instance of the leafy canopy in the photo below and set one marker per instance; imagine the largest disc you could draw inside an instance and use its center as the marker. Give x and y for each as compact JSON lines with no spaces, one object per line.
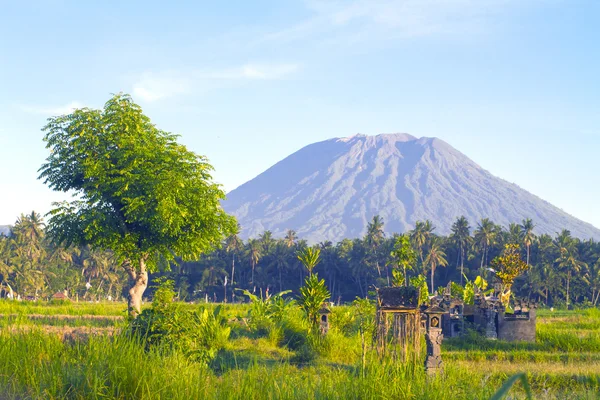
{"x":138,"y":191}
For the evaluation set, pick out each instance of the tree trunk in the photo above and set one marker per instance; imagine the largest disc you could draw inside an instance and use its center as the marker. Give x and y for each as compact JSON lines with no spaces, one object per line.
{"x":568,"y":282}
{"x":138,"y":280}
{"x":232,"y":268}
{"x":432,"y":275}
{"x":482,"y":259}
{"x":462,"y":264}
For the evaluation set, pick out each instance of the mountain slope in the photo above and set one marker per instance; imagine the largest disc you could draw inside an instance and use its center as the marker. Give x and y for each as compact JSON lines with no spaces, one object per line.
{"x":330,"y":190}
{"x":4,"y":229}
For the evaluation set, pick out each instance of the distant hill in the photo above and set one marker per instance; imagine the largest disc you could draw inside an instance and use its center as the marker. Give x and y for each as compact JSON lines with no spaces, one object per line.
{"x":4,"y":229}
{"x":330,"y":190}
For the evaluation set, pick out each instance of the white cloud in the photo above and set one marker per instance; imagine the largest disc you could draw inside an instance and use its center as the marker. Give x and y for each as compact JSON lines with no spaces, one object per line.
{"x":252,"y":71}
{"x":156,"y":86}
{"x":385,"y":19}
{"x":153,"y":86}
{"x":53,"y":110}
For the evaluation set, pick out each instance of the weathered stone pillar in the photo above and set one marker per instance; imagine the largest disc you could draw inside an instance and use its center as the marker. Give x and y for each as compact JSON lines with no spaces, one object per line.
{"x":434,"y":337}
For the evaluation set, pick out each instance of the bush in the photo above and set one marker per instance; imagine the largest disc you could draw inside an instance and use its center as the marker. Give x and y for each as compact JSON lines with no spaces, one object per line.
{"x":266,"y":313}
{"x":199,"y":334}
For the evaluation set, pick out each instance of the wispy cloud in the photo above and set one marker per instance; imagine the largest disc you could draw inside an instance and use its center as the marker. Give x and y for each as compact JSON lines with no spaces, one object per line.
{"x":52,"y":110}
{"x":153,"y":86}
{"x":156,"y":86}
{"x":385,"y":19}
{"x":252,"y":71}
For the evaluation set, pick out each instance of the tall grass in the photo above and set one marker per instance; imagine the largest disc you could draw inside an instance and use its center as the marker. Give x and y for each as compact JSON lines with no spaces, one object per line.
{"x":275,"y":364}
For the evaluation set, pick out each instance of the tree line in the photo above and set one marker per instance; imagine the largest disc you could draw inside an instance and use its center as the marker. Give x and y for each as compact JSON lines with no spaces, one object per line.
{"x":562,"y":269}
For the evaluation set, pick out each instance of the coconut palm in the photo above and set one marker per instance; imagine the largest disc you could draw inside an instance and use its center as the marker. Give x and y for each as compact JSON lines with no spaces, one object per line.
{"x":418,"y":237}
{"x":514,"y":234}
{"x":267,"y":241}
{"x":528,"y":236}
{"x":290,"y":238}
{"x":280,"y":259}
{"x":374,"y":238}
{"x":485,"y":237}
{"x":461,"y":237}
{"x":436,"y":257}
{"x":233,"y":245}
{"x":254,"y":252}
{"x":568,"y":261}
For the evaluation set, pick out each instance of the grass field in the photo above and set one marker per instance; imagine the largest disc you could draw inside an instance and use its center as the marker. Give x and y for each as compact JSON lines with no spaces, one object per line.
{"x":77,"y":351}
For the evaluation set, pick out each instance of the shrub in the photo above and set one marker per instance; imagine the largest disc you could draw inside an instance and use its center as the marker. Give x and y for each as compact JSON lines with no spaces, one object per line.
{"x":267,"y":312}
{"x":199,"y":334}
{"x":312,"y":295}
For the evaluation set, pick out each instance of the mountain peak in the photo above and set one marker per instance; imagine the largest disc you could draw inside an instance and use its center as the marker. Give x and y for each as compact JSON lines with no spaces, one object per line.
{"x":330,"y":190}
{"x":400,"y":137}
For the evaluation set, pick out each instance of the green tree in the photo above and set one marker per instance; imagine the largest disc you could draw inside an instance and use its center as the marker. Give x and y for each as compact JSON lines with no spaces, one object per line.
{"x":374,"y":238}
{"x":404,"y":255}
{"x":290,"y":238}
{"x":568,"y":260}
{"x":436,"y":257}
{"x":485,"y":237}
{"x":140,"y":193}
{"x":528,"y":236}
{"x":255,"y":253}
{"x":461,"y":237}
{"x":309,"y":257}
{"x":233,"y":245}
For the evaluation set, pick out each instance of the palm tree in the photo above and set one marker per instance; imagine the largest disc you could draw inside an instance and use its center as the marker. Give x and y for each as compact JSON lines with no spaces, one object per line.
{"x":280,"y":259}
{"x":514,"y":234}
{"x":485,"y":237}
{"x":267,"y":241}
{"x":373,"y":239}
{"x":254,"y":252}
{"x":233,"y":244}
{"x":461,"y":237}
{"x":290,"y":238}
{"x":568,"y":260}
{"x":435,"y":257}
{"x":528,"y":236}
{"x":6,"y":267}
{"x":418,"y":237}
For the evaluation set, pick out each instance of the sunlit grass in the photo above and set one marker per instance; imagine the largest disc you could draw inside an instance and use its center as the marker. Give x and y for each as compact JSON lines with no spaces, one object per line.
{"x":38,"y":362}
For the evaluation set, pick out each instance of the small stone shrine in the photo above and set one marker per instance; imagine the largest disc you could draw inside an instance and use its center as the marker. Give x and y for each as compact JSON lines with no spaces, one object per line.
{"x":324,"y":319}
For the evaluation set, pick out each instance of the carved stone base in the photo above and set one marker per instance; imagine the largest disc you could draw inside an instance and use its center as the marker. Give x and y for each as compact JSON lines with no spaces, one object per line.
{"x":433,"y":365}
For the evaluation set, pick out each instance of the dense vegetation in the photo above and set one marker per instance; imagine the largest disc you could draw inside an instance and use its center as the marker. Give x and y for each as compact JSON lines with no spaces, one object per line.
{"x":268,"y":354}
{"x":563,"y":269}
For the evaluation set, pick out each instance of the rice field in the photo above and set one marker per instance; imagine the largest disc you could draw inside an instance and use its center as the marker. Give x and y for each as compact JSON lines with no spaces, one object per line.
{"x":77,"y":351}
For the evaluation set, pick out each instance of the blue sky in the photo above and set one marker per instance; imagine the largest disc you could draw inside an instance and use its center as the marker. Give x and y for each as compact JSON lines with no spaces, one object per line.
{"x":513,"y":84}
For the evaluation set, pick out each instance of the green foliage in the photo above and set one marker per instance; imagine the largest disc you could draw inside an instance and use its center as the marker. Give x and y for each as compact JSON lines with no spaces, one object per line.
{"x":309,"y":257}
{"x":397,"y":278}
{"x":364,"y":311}
{"x":503,"y":391}
{"x":199,"y":334}
{"x":140,"y":193}
{"x":312,"y":296}
{"x":404,"y":255}
{"x":268,"y":310}
{"x":420,"y":282}
{"x":457,"y":291}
